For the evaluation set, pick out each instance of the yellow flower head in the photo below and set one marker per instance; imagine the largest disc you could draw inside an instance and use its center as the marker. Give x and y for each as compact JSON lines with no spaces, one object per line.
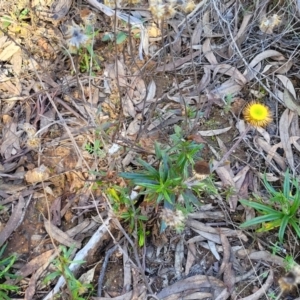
{"x":257,"y":114}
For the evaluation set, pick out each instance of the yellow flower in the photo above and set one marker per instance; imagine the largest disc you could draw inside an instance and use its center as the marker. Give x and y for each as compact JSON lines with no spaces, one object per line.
{"x":257,"y":114}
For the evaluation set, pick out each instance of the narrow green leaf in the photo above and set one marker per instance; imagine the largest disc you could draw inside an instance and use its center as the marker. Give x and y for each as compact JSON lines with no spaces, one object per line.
{"x":295,"y":226}
{"x":286,"y":184}
{"x":261,"y":219}
{"x":2,"y":249}
{"x":259,"y":206}
{"x":296,"y":203}
{"x":51,"y":276}
{"x":189,"y":197}
{"x":282,"y":228}
{"x":158,"y":151}
{"x":270,"y":189}
{"x":121,"y":37}
{"x":8,"y":287}
{"x":269,"y":225}
{"x":148,"y":167}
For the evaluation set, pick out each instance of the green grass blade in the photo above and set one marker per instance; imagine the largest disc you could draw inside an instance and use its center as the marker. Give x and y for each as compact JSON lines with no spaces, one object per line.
{"x":286,"y":184}
{"x":282,"y":228}
{"x":296,"y":203}
{"x":295,"y":226}
{"x":158,"y":151}
{"x":148,"y":167}
{"x":261,"y":219}
{"x":270,"y":189}
{"x":259,"y":206}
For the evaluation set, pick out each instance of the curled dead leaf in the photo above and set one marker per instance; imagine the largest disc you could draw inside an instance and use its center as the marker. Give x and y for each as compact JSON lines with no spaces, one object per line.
{"x":290,"y":101}
{"x":39,"y":174}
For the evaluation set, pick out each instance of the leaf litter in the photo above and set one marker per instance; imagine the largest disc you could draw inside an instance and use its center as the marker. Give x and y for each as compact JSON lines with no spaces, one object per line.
{"x":52,"y":116}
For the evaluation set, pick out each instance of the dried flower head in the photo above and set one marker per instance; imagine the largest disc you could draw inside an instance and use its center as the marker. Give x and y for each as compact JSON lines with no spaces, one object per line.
{"x":157,"y":8}
{"x":188,"y":6}
{"x":170,"y":11}
{"x":158,"y":11}
{"x":257,"y":114}
{"x":173,"y":218}
{"x":29,"y":129}
{"x":33,"y":142}
{"x":75,"y":36}
{"x":201,"y":170}
{"x":267,"y":25}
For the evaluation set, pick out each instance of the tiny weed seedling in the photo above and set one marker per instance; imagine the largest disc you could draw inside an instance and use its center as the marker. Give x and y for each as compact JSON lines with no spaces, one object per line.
{"x":124,"y":208}
{"x":61,"y":264}
{"x":228,"y":101}
{"x":5,"y":265}
{"x":272,"y":295}
{"x":289,"y":263}
{"x":15,"y":18}
{"x":88,"y":61}
{"x":121,"y":35}
{"x":95,"y":148}
{"x":277,"y":248}
{"x":280,"y":211}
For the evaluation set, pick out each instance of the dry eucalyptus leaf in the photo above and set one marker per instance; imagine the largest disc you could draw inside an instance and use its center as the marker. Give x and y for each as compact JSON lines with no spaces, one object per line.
{"x":271,"y":152}
{"x":39,"y":174}
{"x":284,"y":125}
{"x":87,"y":278}
{"x":213,"y":132}
{"x":60,"y":236}
{"x":208,"y":52}
{"x":9,"y":51}
{"x":290,"y":101}
{"x":35,"y":263}
{"x":229,"y":70}
{"x":266,"y":54}
{"x":287,"y":84}
{"x":16,"y":62}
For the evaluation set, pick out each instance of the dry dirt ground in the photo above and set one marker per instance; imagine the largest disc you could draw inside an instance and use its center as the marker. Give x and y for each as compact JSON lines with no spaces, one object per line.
{"x":86,"y":89}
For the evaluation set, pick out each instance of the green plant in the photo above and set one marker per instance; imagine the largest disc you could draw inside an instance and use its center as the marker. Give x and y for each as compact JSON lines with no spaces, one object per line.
{"x":5,"y":265}
{"x":121,"y":35}
{"x":277,"y":248}
{"x":289,"y":263}
{"x":61,"y":264}
{"x":167,"y":183}
{"x":95,"y":148}
{"x":124,"y":208}
{"x":14,"y":17}
{"x":228,"y":101}
{"x":272,"y":295}
{"x":88,"y":61}
{"x":280,"y":211}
